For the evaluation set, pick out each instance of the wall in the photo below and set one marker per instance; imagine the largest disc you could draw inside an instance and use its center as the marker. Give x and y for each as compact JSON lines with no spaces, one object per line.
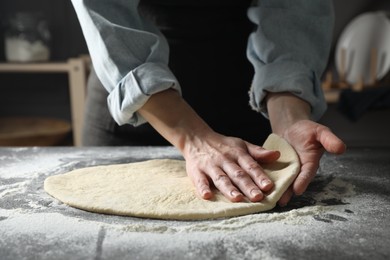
{"x":41,"y":94}
{"x":68,"y":40}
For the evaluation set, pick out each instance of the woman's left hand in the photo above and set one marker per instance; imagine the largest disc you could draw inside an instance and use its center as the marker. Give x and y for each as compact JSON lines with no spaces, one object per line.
{"x":309,"y":140}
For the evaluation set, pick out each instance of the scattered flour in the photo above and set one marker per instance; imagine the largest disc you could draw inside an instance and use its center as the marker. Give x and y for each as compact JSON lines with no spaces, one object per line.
{"x":39,"y":217}
{"x":33,"y":225}
{"x":34,"y":205}
{"x":30,"y":168}
{"x":12,"y":189}
{"x":48,"y":223}
{"x":231,"y":224}
{"x":336,"y":189}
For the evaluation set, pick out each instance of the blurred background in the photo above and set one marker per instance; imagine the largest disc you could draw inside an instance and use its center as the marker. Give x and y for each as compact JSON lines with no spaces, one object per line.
{"x":39,"y":94}
{"x":43,"y":92}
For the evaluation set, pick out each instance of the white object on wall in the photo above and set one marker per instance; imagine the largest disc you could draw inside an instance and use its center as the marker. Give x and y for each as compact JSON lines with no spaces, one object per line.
{"x":365,"y":33}
{"x":21,"y":50}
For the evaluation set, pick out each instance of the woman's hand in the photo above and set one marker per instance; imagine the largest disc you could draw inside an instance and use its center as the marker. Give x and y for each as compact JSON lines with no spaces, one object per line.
{"x":309,"y":140}
{"x":230,"y":164}
{"x":289,"y":117}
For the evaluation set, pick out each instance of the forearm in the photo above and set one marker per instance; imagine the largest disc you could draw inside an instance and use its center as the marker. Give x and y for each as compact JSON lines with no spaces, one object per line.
{"x":285,"y":109}
{"x":129,"y":54}
{"x":174,"y":119}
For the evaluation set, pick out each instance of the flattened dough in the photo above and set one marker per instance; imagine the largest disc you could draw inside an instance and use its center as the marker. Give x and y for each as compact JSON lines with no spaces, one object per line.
{"x":161,"y":189}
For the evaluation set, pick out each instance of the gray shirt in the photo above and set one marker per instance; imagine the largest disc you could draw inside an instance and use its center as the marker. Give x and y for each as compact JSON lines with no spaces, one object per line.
{"x":289,"y":51}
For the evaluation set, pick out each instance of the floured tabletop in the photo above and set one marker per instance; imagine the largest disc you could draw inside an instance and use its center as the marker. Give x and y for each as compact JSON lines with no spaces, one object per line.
{"x":345,"y":214}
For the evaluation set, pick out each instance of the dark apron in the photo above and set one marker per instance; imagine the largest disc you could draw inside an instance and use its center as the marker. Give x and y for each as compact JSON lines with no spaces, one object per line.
{"x":208,"y":42}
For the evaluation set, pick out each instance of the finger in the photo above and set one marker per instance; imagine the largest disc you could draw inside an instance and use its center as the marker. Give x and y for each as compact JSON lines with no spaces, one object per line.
{"x":262,"y":155}
{"x":243,"y":181}
{"x":330,"y":141}
{"x":286,"y":197}
{"x":256,"y":173}
{"x":201,"y":183}
{"x":224,"y":185}
{"x":308,"y":171}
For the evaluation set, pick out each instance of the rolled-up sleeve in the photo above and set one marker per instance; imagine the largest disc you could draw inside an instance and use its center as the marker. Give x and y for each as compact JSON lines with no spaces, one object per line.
{"x":289,"y":50}
{"x":129,"y":55}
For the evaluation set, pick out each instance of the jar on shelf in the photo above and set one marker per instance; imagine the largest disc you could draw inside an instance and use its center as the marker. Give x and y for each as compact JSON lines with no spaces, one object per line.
{"x":27,"y":38}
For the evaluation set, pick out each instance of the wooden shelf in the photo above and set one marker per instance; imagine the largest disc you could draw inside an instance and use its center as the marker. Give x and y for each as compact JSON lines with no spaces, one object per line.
{"x":77,"y":70}
{"x":35,"y":67}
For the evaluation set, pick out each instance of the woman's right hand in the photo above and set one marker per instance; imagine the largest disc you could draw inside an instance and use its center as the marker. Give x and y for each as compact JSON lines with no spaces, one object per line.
{"x":230,"y":164}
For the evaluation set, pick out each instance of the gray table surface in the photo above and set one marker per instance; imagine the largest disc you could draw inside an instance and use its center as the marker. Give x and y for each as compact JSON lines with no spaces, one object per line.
{"x":345,"y":214}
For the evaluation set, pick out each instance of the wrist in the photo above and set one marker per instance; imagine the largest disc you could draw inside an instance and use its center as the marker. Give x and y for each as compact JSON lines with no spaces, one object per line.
{"x":285,"y":109}
{"x":175,"y":120}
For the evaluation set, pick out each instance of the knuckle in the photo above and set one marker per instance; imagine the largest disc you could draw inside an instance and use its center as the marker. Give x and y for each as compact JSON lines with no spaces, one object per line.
{"x":203,"y":187}
{"x":306,"y":176}
{"x":253,"y":166}
{"x":221,"y":178}
{"x":201,"y":183}
{"x":240,"y":174}
{"x":260,"y":175}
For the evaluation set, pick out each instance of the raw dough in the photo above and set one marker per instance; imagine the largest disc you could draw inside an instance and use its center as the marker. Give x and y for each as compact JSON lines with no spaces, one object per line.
{"x":161,"y":189}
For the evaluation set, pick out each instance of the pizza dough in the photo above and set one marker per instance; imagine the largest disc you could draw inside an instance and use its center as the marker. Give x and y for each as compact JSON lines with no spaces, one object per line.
{"x":161,"y":189}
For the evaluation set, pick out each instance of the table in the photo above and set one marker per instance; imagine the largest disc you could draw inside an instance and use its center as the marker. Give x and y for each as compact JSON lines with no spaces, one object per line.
{"x":344,"y":214}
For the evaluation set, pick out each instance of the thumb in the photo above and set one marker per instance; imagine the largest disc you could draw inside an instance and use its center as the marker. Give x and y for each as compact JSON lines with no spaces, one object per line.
{"x":260,"y":154}
{"x":330,"y":141}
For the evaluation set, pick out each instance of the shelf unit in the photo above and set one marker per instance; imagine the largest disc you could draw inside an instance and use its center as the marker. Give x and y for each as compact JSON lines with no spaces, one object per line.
{"x":77,"y":70}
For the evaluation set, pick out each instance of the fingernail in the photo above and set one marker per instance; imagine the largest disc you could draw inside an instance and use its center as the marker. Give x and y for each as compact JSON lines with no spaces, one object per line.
{"x":207,"y":194}
{"x":265,"y":183}
{"x":257,"y":195}
{"x":255,"y":192}
{"x":235,"y":193}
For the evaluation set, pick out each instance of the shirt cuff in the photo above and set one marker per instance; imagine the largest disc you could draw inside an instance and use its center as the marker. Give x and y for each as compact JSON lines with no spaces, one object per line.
{"x":287,"y":76}
{"x":134,"y":90}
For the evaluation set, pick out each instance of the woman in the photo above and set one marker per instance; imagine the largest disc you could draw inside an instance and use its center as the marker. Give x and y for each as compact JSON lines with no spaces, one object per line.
{"x":288,"y":48}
